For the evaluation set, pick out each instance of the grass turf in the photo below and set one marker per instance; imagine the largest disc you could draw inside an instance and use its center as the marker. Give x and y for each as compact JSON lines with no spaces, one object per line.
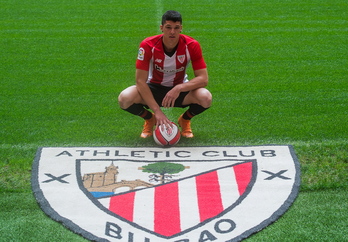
{"x":277,"y":70}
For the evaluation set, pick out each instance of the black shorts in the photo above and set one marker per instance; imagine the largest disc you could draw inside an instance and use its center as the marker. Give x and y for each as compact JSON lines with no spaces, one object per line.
{"x":159,"y":92}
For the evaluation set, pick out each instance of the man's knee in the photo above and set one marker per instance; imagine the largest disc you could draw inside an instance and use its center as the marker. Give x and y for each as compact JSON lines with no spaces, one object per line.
{"x":122,"y":100}
{"x":199,"y":96}
{"x":128,"y":96}
{"x":204,"y":97}
{"x":209,"y":98}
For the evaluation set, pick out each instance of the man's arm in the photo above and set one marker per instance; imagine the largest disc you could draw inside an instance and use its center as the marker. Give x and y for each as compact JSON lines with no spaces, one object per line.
{"x":200,"y":80}
{"x":146,"y":94}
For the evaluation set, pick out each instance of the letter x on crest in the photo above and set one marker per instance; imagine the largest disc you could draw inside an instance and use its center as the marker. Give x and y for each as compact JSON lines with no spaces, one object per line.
{"x":274,"y":175}
{"x":55,"y":178}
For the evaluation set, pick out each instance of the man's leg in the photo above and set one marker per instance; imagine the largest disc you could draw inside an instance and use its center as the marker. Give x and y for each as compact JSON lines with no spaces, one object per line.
{"x":198,"y":101}
{"x":131,"y":101}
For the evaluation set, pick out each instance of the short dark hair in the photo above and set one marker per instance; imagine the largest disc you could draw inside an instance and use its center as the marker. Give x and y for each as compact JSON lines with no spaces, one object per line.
{"x":171,"y":15}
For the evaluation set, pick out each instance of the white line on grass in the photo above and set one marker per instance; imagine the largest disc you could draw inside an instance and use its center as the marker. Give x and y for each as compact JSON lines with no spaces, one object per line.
{"x":159,"y":9}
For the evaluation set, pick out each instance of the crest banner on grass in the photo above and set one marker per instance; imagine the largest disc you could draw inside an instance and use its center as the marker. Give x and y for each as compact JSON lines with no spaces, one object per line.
{"x":179,"y":194}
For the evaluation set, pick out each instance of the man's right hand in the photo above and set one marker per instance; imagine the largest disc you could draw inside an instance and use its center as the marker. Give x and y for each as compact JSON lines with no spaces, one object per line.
{"x":161,"y":118}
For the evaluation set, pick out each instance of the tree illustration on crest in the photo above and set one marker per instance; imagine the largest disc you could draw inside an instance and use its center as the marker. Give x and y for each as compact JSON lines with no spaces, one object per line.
{"x":162,"y":171}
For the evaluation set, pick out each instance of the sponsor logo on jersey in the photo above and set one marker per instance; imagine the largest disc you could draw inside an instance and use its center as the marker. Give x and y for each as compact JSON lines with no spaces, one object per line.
{"x":180,"y":194}
{"x":160,"y":69}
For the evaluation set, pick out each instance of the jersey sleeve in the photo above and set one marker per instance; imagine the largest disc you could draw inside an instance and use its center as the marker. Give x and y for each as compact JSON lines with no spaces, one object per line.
{"x":197,"y":59}
{"x":144,"y":56}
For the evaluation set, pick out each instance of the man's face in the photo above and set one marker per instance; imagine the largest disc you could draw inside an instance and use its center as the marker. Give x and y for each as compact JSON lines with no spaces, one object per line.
{"x":171,"y":31}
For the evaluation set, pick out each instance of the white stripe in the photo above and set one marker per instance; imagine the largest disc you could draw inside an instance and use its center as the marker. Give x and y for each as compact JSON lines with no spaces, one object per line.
{"x":144,"y":208}
{"x":228,"y":186}
{"x":189,"y":213}
{"x":188,"y":56}
{"x":168,"y":77}
{"x":105,"y":202}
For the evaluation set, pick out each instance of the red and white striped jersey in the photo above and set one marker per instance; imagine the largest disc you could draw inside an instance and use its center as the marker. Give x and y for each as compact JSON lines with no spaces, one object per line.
{"x":169,"y":70}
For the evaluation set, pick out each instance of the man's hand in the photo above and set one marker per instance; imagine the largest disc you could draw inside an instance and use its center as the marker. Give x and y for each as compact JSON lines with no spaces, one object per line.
{"x":161,"y":118}
{"x":171,"y":96}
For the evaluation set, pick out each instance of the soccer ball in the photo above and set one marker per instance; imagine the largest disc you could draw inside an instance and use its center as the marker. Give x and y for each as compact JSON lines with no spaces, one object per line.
{"x":166,"y":136}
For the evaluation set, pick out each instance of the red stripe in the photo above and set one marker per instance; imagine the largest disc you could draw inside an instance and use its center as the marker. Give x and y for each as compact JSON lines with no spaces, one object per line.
{"x":123,"y":205}
{"x":179,"y":76}
{"x":243,"y":173}
{"x":189,"y":114}
{"x":176,"y":138}
{"x":167,"y":214}
{"x":159,"y":136}
{"x":209,"y":196}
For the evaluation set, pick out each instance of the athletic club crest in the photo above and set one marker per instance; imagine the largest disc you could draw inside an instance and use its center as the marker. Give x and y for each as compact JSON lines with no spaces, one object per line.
{"x":180,"y":194}
{"x":181,"y":58}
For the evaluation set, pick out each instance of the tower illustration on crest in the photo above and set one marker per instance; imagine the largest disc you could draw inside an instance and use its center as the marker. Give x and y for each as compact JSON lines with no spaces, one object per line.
{"x":107,"y":181}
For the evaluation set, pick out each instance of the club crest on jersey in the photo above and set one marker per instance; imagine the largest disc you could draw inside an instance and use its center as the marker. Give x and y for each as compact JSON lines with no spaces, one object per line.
{"x":180,"y":194}
{"x":181,"y":58}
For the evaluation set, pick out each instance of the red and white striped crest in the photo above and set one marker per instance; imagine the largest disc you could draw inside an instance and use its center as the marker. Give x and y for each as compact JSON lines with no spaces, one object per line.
{"x":179,"y":194}
{"x":181,"y":58}
{"x":181,"y":205}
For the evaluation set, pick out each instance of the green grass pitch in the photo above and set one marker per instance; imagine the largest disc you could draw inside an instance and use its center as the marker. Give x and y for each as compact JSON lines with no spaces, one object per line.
{"x":278,"y":73}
